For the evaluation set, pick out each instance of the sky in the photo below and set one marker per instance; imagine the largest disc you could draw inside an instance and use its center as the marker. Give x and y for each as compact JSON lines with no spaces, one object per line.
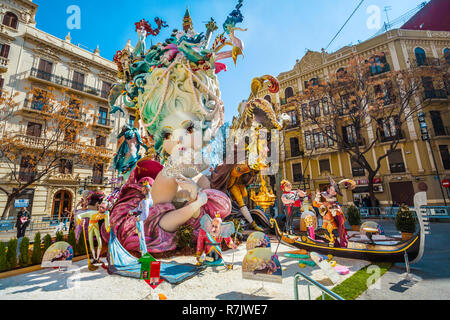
{"x":279,"y":31}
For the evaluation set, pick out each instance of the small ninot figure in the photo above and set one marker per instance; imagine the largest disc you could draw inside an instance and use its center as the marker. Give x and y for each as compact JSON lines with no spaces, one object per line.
{"x":209,"y":241}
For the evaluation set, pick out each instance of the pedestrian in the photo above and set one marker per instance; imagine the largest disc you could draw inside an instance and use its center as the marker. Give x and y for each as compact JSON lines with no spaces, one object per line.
{"x":65,"y":218}
{"x":23,"y":220}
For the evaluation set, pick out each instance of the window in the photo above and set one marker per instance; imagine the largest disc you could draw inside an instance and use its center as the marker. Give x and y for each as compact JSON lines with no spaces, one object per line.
{"x":341,"y":74}
{"x":100,"y":141}
{"x":74,"y":109}
{"x":308,"y":141}
{"x":438,"y":124}
{"x":330,"y":136}
{"x":45,"y":70}
{"x":70,"y":135}
{"x":325,"y":165}
{"x":396,"y":162}
{"x":295,"y":147}
{"x":293,"y":116}
{"x":304,"y":111}
{"x":319,"y":139}
{"x":420,"y":56}
{"x":2,"y":82}
{"x":288,"y":93}
{"x":39,"y":100}
{"x":34,"y":129}
{"x":10,"y":20}
{"x":267,"y":98}
{"x":357,"y":170}
{"x":103,"y":116}
{"x":314,"y":109}
{"x":97,"y":176}
{"x":297,"y":172}
{"x":445,"y":155}
{"x":389,"y":129}
{"x":349,"y":134}
{"x":78,"y":81}
{"x":378,"y":64}
{"x":106,"y":88}
{"x":27,"y":170}
{"x":427,"y":83}
{"x":65,"y":166}
{"x":131,"y":121}
{"x":447,"y":55}
{"x":4,"y":50}
{"x":311,"y":83}
{"x":325,"y":106}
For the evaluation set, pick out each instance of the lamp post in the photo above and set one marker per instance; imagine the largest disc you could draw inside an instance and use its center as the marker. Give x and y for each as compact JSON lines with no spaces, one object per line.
{"x":426,"y":137}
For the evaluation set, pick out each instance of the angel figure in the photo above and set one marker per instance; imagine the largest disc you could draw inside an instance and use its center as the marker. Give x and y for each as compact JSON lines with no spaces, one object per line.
{"x":212,"y":233}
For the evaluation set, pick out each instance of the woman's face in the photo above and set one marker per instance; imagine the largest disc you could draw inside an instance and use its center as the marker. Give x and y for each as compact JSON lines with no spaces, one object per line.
{"x":181,"y":131}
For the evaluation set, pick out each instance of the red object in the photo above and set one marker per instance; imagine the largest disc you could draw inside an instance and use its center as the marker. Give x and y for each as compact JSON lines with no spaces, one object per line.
{"x":155,"y":271}
{"x":434,"y":17}
{"x":446,"y":183}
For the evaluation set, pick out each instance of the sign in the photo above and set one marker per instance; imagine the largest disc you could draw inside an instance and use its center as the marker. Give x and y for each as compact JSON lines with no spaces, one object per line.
{"x":366,"y":181}
{"x":21,"y":203}
{"x":446,"y":183}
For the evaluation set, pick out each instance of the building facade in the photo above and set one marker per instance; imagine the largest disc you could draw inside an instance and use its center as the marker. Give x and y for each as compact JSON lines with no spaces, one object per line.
{"x":306,"y":156}
{"x":31,"y":59}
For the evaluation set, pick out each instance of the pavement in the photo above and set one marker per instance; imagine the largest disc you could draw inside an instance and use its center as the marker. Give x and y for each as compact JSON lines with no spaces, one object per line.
{"x":429,"y":279}
{"x":78,"y":283}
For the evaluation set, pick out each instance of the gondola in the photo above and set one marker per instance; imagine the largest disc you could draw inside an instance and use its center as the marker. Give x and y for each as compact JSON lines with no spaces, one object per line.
{"x":387,"y":250}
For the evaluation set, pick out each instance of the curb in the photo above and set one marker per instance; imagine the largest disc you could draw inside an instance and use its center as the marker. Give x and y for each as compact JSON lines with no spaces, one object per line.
{"x":21,"y":271}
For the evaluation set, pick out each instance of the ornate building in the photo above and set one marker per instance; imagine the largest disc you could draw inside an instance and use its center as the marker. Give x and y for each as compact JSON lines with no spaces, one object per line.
{"x":33,"y":59}
{"x":306,"y":156}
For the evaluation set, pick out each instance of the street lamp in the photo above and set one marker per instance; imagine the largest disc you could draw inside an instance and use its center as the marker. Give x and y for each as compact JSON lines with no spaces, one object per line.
{"x":426,"y":137}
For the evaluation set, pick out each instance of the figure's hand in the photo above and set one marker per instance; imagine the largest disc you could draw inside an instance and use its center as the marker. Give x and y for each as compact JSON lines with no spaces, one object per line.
{"x":202,"y":198}
{"x":188,"y":185}
{"x":233,"y":246}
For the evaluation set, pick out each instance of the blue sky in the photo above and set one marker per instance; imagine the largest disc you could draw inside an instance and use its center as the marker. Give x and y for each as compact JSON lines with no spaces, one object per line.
{"x":279,"y":31}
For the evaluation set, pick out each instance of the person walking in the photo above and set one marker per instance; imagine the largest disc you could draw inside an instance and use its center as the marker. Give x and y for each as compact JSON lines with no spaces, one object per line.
{"x":65,"y":218}
{"x":23,"y":221}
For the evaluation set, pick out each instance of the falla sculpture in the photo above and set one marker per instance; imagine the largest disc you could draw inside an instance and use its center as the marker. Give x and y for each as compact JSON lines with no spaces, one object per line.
{"x":174,"y":89}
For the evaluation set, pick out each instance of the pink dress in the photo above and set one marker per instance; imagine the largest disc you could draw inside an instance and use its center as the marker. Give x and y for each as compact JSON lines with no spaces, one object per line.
{"x":157,"y":239}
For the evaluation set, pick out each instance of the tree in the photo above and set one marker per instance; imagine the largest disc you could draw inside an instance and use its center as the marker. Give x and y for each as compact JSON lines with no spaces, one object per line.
{"x":47,"y":242}
{"x":36,"y":256}
{"x":24,"y":257}
{"x":363,"y":105}
{"x":51,"y":144}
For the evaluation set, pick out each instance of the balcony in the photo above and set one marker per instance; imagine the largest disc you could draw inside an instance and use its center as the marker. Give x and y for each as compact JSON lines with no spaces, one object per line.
{"x":441,"y":131}
{"x":397,"y":167}
{"x":426,"y":62}
{"x":435,"y":94}
{"x":63,"y":82}
{"x":353,"y":143}
{"x":103,"y":123}
{"x":400,"y":136}
{"x":294,"y":154}
{"x":38,"y":143}
{"x":293,"y":125}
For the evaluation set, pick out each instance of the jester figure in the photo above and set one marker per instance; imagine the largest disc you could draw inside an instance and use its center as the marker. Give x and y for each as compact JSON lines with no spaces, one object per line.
{"x":209,"y":241}
{"x":95,"y":216}
{"x":291,"y":199}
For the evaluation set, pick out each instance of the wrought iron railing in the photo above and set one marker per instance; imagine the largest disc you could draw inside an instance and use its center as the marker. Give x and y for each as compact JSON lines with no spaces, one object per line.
{"x":64,"y":82}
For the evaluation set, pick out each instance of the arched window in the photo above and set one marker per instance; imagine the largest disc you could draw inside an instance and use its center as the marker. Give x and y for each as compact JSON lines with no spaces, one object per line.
{"x":268,"y":98}
{"x":420,"y":56}
{"x":288,"y":93}
{"x":341,"y":73}
{"x":10,"y":20}
{"x":447,"y":55}
{"x":378,"y":64}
